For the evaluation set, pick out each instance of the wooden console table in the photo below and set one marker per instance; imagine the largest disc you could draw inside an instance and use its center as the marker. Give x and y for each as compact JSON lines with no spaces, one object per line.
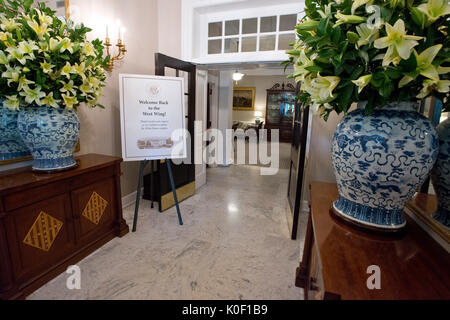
{"x":336,"y":258}
{"x":51,"y":221}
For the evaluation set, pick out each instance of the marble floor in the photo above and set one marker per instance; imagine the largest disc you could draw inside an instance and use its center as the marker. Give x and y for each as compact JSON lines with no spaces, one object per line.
{"x":234,"y":245}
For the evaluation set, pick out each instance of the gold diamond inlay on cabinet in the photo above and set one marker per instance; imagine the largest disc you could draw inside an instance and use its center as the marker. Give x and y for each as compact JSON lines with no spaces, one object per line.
{"x":95,"y":208}
{"x":43,"y":232}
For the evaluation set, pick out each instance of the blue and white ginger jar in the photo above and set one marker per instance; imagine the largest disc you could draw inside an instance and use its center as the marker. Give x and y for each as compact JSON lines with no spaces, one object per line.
{"x":441,"y":175}
{"x":52,"y":135}
{"x":11,"y":145}
{"x":380,"y":161}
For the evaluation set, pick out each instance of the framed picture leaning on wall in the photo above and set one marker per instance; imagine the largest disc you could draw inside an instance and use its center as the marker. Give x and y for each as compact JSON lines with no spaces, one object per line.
{"x":244,"y":99}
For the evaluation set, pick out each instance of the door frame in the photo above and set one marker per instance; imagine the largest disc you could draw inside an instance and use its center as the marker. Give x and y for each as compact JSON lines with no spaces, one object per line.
{"x":185,"y":189}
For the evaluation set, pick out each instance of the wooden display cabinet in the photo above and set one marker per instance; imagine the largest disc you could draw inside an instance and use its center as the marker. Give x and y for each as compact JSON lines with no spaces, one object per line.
{"x":280,"y":110}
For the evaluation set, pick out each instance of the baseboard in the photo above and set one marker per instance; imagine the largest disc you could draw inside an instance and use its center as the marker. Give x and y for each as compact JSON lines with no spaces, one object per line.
{"x":130,"y":198}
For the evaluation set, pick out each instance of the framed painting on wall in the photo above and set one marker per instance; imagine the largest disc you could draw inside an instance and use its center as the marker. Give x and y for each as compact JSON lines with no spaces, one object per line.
{"x":244,"y":99}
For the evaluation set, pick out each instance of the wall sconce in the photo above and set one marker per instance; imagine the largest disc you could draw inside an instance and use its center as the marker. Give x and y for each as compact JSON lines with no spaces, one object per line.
{"x":120,"y":44}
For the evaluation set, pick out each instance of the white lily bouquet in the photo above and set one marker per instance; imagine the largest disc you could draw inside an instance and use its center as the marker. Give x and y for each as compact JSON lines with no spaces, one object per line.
{"x":369,"y":50}
{"x":45,"y":61}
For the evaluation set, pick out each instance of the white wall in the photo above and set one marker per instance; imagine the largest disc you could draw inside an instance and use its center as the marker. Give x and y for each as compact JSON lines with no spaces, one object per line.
{"x":169,"y":27}
{"x":261,"y":83}
{"x":319,"y":162}
{"x":320,"y":167}
{"x":100,"y":129}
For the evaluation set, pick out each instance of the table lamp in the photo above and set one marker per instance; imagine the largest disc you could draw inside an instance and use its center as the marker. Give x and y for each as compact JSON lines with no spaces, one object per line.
{"x":258,"y":115}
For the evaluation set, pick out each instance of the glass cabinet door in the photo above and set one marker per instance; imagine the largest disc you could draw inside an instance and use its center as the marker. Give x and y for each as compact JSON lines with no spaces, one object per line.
{"x":273,"y":108}
{"x":280,"y":107}
{"x":287,"y":107}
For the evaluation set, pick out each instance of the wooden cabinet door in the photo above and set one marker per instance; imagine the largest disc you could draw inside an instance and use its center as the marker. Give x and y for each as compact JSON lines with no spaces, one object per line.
{"x":39,"y":236}
{"x":93,"y":209}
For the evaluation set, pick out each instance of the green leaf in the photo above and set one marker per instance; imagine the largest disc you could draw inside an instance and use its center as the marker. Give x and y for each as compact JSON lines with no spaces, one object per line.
{"x":408,"y":65}
{"x":356,"y":73}
{"x":314,"y":69}
{"x":336,"y":34}
{"x":310,"y":25}
{"x":387,"y":88}
{"x":418,"y":17}
{"x":364,"y":55}
{"x":393,"y":73}
{"x":293,"y":52}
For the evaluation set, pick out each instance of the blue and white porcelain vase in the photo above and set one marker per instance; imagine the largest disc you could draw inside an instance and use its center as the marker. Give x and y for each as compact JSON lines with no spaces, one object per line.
{"x":441,"y":175}
{"x":380,"y":161}
{"x":52,"y":135}
{"x":11,"y":145}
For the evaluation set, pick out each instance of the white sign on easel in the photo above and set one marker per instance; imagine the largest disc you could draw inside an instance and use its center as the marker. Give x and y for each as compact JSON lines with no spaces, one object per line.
{"x":152,"y":118}
{"x":152,"y":108}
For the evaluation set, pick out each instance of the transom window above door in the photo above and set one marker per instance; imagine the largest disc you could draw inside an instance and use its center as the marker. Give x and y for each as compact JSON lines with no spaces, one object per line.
{"x":253,"y":34}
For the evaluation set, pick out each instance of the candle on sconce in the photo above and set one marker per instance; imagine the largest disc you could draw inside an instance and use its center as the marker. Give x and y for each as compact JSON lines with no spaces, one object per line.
{"x":107,"y":31}
{"x":122,"y":35}
{"x":119,"y":26}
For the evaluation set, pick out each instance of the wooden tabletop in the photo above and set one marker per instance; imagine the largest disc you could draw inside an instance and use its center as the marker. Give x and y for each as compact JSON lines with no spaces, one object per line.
{"x":15,"y":180}
{"x":413,"y":265}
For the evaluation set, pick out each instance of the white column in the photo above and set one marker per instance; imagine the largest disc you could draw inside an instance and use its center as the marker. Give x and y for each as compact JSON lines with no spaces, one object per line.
{"x":226,"y":111}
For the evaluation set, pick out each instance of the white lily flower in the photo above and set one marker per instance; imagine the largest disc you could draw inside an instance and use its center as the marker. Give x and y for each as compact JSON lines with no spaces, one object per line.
{"x":54,"y":43}
{"x":15,"y":54}
{"x":47,"y":67}
{"x":366,"y":34}
{"x":399,"y":44}
{"x":69,"y":101}
{"x":300,"y":66}
{"x":88,"y":49}
{"x":68,"y":87}
{"x":67,"y":70}
{"x":33,"y":95}
{"x":50,"y":101}
{"x":43,"y":18}
{"x":28,"y":47}
{"x":3,"y":58}
{"x":434,"y":9}
{"x":67,"y":45}
{"x":429,"y":86}
{"x":443,"y":70}
{"x":23,"y":82}
{"x":358,"y":3}
{"x":80,"y":69}
{"x":425,"y":65}
{"x":12,"y":74}
{"x":320,"y":88}
{"x":327,"y":12}
{"x":9,"y":24}
{"x":12,"y":102}
{"x":39,"y":29}
{"x":425,"y":60}
{"x":362,"y":82}
{"x":4,"y":36}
